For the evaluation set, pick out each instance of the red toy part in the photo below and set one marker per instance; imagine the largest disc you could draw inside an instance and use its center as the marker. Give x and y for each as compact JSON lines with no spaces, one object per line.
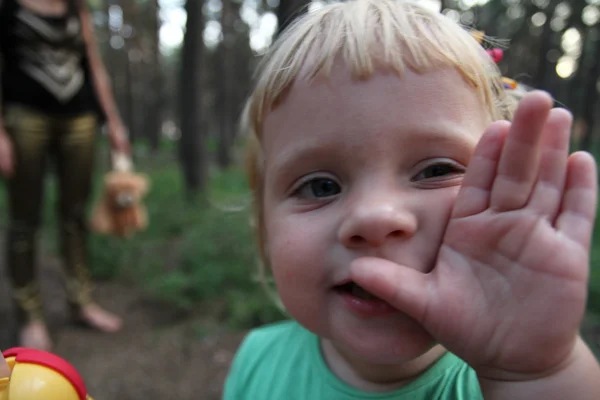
{"x":14,"y":351}
{"x":49,"y":360}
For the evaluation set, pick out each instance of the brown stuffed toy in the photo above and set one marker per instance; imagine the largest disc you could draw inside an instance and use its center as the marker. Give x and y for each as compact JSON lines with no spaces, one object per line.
{"x":120,"y":211}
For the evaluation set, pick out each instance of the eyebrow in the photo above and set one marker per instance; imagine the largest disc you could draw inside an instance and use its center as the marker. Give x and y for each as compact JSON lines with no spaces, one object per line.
{"x":301,"y":153}
{"x":448,"y":136}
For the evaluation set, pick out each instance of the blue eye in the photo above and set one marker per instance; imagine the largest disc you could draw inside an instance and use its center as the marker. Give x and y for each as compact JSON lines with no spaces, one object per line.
{"x":318,"y":188}
{"x":439,"y":170}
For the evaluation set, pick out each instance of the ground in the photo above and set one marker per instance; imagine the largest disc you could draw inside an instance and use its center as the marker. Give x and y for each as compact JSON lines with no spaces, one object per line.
{"x":160,"y":354}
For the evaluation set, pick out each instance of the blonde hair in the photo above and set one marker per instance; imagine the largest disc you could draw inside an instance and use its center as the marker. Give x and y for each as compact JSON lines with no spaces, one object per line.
{"x":367,"y":35}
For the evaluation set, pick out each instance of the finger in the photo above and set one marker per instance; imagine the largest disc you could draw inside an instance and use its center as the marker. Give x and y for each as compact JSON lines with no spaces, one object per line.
{"x":474,"y":195}
{"x":403,"y":288}
{"x":548,"y":190}
{"x":519,"y":162}
{"x":578,"y":209}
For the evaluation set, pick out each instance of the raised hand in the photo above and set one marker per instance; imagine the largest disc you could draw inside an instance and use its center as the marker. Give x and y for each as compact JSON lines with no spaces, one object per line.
{"x":509,"y":287}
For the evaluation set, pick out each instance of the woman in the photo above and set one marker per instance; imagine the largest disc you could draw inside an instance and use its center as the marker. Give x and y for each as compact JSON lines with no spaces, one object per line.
{"x":55,"y":91}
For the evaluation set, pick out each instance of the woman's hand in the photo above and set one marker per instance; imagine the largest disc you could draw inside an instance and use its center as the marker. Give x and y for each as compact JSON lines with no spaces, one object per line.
{"x":7,"y":162}
{"x":117,"y":134}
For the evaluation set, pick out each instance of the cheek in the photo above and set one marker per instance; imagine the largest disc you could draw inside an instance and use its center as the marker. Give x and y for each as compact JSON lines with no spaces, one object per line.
{"x":290,"y":261}
{"x":445,"y":203}
{"x":293,"y":243}
{"x":283,"y":244}
{"x":284,"y":257}
{"x":436,"y":209}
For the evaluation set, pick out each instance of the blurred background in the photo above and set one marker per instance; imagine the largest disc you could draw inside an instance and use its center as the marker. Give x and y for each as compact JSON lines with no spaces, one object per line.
{"x":187,"y":286}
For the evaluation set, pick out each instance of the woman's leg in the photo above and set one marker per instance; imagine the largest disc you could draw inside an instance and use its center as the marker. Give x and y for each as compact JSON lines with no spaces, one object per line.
{"x":76,"y":146}
{"x":30,"y":134}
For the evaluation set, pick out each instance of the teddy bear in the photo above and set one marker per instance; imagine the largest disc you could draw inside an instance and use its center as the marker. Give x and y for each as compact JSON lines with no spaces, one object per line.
{"x":120,"y":211}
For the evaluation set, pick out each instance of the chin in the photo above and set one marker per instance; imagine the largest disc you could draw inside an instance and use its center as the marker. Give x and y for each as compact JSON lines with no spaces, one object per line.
{"x":398,"y":351}
{"x":389,"y":342}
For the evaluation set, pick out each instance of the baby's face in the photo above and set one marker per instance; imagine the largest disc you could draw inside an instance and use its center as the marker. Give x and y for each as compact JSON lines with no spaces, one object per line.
{"x":363,"y":168}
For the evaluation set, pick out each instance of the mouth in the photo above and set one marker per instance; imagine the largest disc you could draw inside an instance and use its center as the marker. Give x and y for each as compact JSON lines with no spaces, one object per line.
{"x":361,"y":302}
{"x":353,"y":289}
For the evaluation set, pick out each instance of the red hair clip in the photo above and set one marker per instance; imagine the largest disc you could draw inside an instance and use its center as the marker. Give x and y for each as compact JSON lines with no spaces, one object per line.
{"x":496,"y":54}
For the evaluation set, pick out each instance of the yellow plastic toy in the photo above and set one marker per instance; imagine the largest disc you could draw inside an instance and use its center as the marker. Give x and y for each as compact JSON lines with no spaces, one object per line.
{"x":39,"y":375}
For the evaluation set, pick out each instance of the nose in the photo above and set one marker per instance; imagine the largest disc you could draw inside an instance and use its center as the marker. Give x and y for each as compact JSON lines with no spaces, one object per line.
{"x":374,"y":221}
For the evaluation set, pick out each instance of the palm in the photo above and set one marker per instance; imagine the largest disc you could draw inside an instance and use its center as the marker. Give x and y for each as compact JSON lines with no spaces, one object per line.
{"x":503,"y":281}
{"x":509,"y":287}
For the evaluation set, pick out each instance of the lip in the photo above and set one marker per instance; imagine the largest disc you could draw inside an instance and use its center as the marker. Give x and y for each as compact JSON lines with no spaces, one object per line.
{"x":366,"y":308}
{"x":342,"y":282}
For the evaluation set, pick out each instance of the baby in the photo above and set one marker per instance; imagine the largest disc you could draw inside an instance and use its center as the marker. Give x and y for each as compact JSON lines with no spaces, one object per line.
{"x":425,"y":246}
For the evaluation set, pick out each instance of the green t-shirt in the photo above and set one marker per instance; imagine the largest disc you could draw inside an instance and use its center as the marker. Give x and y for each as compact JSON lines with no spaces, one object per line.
{"x":284,"y":361}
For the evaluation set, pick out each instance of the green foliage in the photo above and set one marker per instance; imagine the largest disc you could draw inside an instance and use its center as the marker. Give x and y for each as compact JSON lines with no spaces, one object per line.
{"x":193,"y":256}
{"x":593,"y":303}
{"x":594,"y":293}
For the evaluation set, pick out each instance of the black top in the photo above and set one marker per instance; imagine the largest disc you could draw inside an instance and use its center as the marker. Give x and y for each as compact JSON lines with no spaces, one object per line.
{"x":44,"y":61}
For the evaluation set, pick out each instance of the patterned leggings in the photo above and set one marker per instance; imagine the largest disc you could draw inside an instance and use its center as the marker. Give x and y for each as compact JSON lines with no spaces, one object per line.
{"x":70,"y":143}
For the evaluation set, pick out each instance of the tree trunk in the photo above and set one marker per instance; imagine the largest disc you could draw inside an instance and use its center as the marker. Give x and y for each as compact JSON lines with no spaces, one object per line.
{"x":154,"y":91}
{"x":191,"y":145}
{"x":590,"y":102}
{"x":577,"y":81}
{"x":129,"y":86}
{"x":547,"y":35}
{"x":225,"y":83}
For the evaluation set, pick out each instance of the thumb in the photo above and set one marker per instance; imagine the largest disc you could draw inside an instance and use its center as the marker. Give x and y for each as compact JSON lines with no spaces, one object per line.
{"x":403,"y":288}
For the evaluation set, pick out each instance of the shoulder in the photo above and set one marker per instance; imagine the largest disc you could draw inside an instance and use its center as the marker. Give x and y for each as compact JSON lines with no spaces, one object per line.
{"x":79,"y":4}
{"x":265,"y":352}
{"x":277,"y":331}
{"x":82,"y":10}
{"x":271,"y":339}
{"x":459,"y":380}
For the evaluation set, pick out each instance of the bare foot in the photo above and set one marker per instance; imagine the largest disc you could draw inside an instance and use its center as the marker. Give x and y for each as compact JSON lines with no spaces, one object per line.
{"x":98,"y":318}
{"x":35,"y":335}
